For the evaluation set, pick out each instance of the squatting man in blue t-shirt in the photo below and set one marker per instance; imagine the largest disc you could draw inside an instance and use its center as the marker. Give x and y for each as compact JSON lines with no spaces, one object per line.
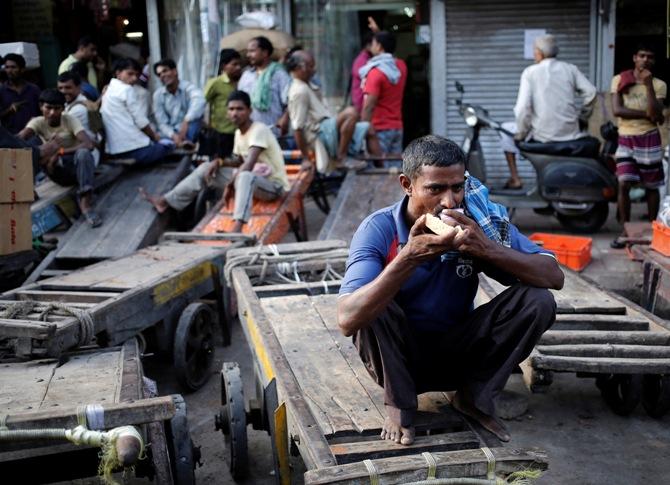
{"x":407,"y":295}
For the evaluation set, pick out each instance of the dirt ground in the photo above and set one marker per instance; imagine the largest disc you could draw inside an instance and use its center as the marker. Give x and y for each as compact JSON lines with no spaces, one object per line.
{"x":586,"y":443}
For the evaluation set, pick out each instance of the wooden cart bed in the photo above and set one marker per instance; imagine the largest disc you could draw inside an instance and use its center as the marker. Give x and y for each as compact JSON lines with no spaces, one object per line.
{"x":270,"y":220}
{"x":48,"y":393}
{"x":123,"y":297}
{"x":335,"y":410}
{"x":600,"y":334}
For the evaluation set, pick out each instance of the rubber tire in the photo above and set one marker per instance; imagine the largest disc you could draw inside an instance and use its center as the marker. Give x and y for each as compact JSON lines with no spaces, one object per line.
{"x":180,"y":445}
{"x":656,"y":395}
{"x":621,"y":392}
{"x":193,"y":353}
{"x":234,"y":422}
{"x":585,"y":223}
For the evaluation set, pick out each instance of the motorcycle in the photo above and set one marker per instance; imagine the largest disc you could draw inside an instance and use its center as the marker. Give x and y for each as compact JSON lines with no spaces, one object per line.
{"x":573,"y":181}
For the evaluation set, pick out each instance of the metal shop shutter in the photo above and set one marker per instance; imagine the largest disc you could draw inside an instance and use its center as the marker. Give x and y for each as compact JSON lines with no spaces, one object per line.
{"x":485,"y":40}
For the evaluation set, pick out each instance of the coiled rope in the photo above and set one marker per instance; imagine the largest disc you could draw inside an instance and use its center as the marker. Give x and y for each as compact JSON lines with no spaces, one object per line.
{"x":19,"y":309}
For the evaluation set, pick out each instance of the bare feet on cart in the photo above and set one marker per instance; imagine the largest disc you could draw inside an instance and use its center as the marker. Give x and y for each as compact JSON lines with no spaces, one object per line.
{"x":393,"y":429}
{"x":462,"y":403}
{"x":158,"y":201}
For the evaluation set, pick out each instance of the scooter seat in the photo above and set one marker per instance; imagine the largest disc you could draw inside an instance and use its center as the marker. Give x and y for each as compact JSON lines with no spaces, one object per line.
{"x":587,"y":147}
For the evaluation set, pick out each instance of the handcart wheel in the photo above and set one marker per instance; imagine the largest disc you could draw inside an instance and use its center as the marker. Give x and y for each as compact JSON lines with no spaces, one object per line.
{"x":621,"y":392}
{"x":656,"y":395}
{"x":183,"y":455}
{"x":232,"y":419}
{"x":194,"y":346}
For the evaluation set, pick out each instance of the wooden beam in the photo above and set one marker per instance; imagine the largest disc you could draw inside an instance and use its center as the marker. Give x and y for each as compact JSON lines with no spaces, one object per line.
{"x":378,"y":448}
{"x":118,"y":414}
{"x":450,"y":464}
{"x":601,"y":365}
{"x":566,"y":337}
{"x":607,"y":350}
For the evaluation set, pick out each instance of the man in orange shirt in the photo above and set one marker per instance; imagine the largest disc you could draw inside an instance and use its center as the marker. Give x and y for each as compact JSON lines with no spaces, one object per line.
{"x":384,"y":78}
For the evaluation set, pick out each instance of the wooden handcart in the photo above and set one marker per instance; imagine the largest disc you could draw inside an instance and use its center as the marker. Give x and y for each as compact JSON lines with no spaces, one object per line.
{"x":361,"y":193}
{"x":129,"y":222}
{"x":159,"y":288}
{"x":100,"y":389}
{"x":313,"y":394}
{"x":270,"y":220}
{"x":600,"y":334}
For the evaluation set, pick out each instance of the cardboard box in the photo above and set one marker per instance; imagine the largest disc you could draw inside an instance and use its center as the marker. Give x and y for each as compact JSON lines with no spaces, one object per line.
{"x":16,"y":233}
{"x":16,"y":175}
{"x":29,"y":51}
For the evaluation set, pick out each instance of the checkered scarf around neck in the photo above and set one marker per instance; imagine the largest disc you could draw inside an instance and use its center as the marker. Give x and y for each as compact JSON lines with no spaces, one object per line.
{"x":491,"y":217}
{"x":261,"y":95}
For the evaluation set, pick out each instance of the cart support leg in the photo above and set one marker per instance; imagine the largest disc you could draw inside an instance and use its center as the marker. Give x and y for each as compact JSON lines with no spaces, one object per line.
{"x":281,"y":444}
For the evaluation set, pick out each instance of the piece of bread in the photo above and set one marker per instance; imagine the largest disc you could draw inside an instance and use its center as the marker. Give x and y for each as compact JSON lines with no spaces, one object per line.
{"x":436,"y":225}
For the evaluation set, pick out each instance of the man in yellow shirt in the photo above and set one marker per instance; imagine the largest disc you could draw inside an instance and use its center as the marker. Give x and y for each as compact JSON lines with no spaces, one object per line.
{"x":261,"y":173}
{"x":637,"y":98}
{"x":217,"y":91}
{"x":73,"y":163}
{"x":86,"y":51}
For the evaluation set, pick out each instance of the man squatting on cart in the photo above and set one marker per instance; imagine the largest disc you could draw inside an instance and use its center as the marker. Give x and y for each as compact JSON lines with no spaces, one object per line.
{"x":407,"y":295}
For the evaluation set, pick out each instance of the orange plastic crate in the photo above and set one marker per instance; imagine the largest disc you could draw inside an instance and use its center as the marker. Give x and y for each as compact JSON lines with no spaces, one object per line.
{"x":571,"y":251}
{"x":660,"y":239}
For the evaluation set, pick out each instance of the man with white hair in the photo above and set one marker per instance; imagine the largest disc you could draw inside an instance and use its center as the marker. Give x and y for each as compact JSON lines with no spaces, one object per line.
{"x":547,"y":107}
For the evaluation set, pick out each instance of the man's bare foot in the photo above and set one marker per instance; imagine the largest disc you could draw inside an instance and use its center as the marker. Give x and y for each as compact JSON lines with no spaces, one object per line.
{"x":392,"y":429}
{"x":158,"y":201}
{"x":463,"y":404}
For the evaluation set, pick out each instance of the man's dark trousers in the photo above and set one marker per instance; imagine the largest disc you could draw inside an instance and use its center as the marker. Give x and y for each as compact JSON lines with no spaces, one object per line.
{"x":479,"y":354}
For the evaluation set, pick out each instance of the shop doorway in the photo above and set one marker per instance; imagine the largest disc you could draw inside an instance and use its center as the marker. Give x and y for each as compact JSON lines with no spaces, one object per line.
{"x":642,"y":21}
{"x":404,"y":23}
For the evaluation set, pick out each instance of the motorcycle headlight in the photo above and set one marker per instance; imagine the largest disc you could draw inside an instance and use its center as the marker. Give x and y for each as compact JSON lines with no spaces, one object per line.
{"x":470,"y":116}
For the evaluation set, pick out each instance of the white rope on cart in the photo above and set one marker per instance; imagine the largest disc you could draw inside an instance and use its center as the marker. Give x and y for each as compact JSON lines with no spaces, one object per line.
{"x":432,"y":464}
{"x":372,"y":472}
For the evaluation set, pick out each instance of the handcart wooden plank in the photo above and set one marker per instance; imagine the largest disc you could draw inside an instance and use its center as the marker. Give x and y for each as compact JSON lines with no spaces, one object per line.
{"x":129,"y":222}
{"x":361,"y":193}
{"x":335,"y":410}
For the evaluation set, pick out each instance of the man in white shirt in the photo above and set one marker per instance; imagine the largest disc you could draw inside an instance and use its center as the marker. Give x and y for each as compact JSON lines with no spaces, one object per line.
{"x":77,"y":105}
{"x":127,"y":129}
{"x":261,"y":173}
{"x":314,"y":126}
{"x":548,"y":104}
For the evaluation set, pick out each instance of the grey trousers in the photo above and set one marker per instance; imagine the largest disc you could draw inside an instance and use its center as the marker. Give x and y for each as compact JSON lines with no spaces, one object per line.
{"x":77,"y":168}
{"x":479,"y":354}
{"x":247,"y":186}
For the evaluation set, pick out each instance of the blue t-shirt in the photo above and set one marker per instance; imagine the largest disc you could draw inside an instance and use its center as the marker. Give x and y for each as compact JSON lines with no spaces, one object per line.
{"x":439,"y":293}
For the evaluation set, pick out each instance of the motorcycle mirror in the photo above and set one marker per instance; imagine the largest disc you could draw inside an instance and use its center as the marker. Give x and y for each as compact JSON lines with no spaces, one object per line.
{"x":459,"y":87}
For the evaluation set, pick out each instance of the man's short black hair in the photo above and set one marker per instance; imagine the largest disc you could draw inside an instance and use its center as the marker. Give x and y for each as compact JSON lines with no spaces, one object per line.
{"x":430,"y":150}
{"x":295,"y":60}
{"x":387,"y":41}
{"x":17,"y":59}
{"x":52,"y":96}
{"x":227,"y":55}
{"x":264,"y":44}
{"x":126,"y":63}
{"x":81,"y":69}
{"x":85,"y":41}
{"x":643,"y":46}
{"x":240,"y":96}
{"x":70,"y":76}
{"x":169,"y":63}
